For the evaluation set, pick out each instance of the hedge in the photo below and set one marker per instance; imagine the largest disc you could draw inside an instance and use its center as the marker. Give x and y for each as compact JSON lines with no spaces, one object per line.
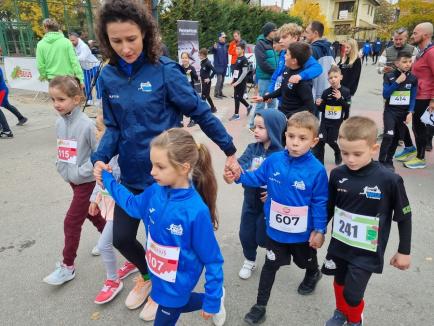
{"x":215,"y":16}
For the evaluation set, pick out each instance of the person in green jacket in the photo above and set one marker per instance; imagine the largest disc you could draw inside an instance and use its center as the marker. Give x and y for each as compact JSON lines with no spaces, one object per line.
{"x":55,"y":55}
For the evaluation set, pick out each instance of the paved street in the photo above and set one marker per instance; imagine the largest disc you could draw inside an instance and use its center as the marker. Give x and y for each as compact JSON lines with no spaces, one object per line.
{"x":34,"y":199}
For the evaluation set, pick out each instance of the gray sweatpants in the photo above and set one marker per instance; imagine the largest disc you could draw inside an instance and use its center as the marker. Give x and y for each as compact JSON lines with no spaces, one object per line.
{"x":105,"y":246}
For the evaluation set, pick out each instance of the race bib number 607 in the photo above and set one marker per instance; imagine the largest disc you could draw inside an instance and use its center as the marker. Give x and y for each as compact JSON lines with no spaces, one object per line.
{"x":289,"y":219}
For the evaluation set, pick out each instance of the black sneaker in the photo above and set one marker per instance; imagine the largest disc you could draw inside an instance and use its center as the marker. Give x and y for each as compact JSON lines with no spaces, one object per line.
{"x":6,"y":135}
{"x":191,"y":123}
{"x":223,"y":95}
{"x":218,"y":96}
{"x":307,"y":286}
{"x":256,"y":315}
{"x":22,"y":121}
{"x":338,"y":158}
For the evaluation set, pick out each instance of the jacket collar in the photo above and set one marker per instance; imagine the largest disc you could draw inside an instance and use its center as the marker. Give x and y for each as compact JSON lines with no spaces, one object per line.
{"x":299,"y":159}
{"x":364,"y":171}
{"x":179,"y":194}
{"x":130,"y":68}
{"x":72,"y":115}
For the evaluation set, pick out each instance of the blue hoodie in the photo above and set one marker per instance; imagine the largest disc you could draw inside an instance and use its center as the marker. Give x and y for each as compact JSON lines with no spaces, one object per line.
{"x":311,"y":70}
{"x":140,"y":101}
{"x":298,"y":182}
{"x":322,"y":51}
{"x":177,"y":220}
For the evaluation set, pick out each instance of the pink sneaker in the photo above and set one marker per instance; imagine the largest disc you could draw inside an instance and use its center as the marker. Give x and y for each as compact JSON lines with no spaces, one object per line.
{"x":109,"y":291}
{"x":127,"y":269}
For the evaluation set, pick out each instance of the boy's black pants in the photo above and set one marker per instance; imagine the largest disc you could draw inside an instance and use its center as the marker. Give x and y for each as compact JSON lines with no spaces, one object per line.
{"x":239,"y":91}
{"x":393,"y":120}
{"x":206,"y":89}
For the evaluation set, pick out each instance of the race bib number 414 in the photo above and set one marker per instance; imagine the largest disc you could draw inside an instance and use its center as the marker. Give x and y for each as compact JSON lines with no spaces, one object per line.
{"x":356,"y":230}
{"x":400,"y":98}
{"x":289,"y":219}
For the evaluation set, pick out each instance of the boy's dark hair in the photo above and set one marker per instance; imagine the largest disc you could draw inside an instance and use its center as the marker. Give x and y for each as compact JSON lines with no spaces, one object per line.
{"x":335,"y":69}
{"x":300,"y":51}
{"x":241,"y":45}
{"x":403,"y":54}
{"x":317,"y":26}
{"x":128,"y":11}
{"x":203,"y":51}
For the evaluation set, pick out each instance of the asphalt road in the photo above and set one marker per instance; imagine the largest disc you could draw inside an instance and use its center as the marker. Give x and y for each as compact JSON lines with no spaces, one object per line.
{"x":34,"y":199}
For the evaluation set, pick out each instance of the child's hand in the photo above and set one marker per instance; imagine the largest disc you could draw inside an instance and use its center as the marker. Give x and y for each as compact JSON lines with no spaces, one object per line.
{"x":93,"y":209}
{"x":205,"y":315}
{"x":207,"y":80}
{"x":264,"y":196}
{"x":228,"y":176}
{"x":401,"y":78}
{"x":316,"y":240}
{"x":409,"y":118}
{"x":337,"y":93}
{"x":318,"y":101}
{"x":294,"y":79}
{"x":97,"y":171}
{"x":400,"y":261}
{"x":257,"y":99}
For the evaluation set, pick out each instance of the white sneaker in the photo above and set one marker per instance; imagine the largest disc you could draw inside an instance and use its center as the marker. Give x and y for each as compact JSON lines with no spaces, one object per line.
{"x":247,"y":269}
{"x":219,"y":318}
{"x":89,"y":102}
{"x":60,"y":275}
{"x":95,"y":251}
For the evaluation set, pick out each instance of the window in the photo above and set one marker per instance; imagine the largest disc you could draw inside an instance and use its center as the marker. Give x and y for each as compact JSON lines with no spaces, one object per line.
{"x":348,"y":6}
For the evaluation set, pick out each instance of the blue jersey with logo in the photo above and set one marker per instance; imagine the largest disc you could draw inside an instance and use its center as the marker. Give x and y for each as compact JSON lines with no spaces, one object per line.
{"x":140,"y":101}
{"x":176,"y":218}
{"x":294,"y":182}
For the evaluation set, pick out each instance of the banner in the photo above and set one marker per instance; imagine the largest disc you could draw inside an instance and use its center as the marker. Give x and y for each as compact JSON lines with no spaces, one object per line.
{"x":188,"y":41}
{"x":22,"y":73}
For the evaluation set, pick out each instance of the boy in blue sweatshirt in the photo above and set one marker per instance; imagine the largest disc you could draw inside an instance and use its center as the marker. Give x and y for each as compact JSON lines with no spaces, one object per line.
{"x":295,"y":209}
{"x":269,"y":126}
{"x":399,"y":92}
{"x":290,"y":33}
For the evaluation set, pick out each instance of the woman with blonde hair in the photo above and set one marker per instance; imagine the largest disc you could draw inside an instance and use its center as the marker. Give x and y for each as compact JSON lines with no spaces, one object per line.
{"x":350,"y":65}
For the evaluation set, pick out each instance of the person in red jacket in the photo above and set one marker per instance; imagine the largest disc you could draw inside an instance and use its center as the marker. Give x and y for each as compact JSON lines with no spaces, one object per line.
{"x":232,"y":50}
{"x":423,"y":69}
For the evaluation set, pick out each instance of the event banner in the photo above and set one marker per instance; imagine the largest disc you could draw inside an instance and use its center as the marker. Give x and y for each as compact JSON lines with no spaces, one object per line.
{"x":188,"y":41}
{"x":22,"y":73}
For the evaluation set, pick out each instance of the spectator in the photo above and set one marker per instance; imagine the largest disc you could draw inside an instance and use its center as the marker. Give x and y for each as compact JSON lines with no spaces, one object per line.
{"x":350,"y":66}
{"x":89,"y":63}
{"x":376,"y":50}
{"x":321,"y":51}
{"x":233,"y":48}
{"x":55,"y":55}
{"x":94,"y":48}
{"x":220,"y":52}
{"x":266,"y":63}
{"x":366,"y":51}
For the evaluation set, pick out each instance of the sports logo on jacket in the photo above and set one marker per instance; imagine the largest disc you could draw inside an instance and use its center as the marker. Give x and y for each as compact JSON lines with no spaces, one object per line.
{"x":372,"y":192}
{"x":145,"y":87}
{"x":175,"y":229}
{"x":299,"y":185}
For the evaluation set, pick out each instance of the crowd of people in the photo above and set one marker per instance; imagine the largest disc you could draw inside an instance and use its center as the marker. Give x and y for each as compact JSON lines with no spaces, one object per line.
{"x":137,"y":164}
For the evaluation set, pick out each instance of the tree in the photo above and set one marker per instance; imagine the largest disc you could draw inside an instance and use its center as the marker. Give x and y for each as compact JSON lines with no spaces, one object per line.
{"x":413,"y":12}
{"x":385,"y":17}
{"x":309,"y":10}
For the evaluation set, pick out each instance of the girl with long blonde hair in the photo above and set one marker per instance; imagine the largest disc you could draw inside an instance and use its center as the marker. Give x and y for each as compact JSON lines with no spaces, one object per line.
{"x":350,"y":65}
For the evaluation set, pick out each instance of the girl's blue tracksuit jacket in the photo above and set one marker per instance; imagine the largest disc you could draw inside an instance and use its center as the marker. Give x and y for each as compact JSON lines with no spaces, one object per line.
{"x":177,"y":218}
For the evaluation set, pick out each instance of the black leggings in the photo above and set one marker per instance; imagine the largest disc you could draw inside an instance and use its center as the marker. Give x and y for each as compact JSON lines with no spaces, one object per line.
{"x":206,"y":89}
{"x":124,"y":238}
{"x":393,"y":120}
{"x":239,"y":97}
{"x":419,"y":128}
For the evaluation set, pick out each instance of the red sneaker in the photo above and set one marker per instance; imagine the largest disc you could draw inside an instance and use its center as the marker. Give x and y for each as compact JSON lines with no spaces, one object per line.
{"x":127,"y":269}
{"x":109,"y":291}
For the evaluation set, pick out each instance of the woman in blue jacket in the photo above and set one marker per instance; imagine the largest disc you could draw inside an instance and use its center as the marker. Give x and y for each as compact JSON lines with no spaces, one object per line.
{"x":143,"y":95}
{"x":179,"y":223}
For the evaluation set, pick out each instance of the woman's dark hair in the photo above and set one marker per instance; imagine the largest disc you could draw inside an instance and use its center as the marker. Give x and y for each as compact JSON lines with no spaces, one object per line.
{"x":124,"y":11}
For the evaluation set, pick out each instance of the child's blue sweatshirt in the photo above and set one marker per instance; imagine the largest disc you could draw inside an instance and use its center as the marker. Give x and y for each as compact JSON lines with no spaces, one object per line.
{"x":177,"y":220}
{"x":299,"y":184}
{"x":311,"y":70}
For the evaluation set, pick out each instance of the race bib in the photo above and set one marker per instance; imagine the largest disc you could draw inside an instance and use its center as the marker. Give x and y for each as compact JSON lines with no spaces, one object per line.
{"x":67,"y":151}
{"x":236,"y":73}
{"x":400,"y":98}
{"x":356,"y":230}
{"x":333,"y":112}
{"x":162,"y":260}
{"x":289,"y":219}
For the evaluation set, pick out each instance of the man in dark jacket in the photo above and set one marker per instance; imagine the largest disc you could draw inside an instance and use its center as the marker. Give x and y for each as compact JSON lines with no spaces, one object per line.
{"x":220,"y":52}
{"x":266,"y":62}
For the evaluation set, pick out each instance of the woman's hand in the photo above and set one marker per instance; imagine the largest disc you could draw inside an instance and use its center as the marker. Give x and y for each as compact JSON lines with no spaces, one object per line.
{"x":97,"y":171}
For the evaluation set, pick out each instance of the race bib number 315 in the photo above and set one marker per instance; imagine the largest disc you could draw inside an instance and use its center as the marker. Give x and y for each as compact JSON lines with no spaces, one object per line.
{"x":356,"y":230}
{"x":289,"y":219}
{"x":333,"y":112}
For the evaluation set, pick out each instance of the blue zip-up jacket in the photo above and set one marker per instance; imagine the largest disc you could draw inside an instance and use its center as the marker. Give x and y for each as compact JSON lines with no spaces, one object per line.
{"x":292,"y":181}
{"x":311,"y":70}
{"x":220,"y":58}
{"x":390,"y":85}
{"x":177,"y":218}
{"x":140,"y":101}
{"x":367,"y":49}
{"x":3,"y":89}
